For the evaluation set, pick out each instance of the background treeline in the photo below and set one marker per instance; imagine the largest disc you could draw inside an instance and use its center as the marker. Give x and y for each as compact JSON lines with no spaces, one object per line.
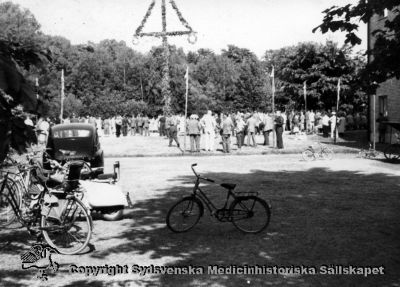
{"x":109,"y":78}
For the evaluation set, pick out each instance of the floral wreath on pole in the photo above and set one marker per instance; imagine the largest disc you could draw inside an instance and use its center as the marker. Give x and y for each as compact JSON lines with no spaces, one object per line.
{"x":192,"y":35}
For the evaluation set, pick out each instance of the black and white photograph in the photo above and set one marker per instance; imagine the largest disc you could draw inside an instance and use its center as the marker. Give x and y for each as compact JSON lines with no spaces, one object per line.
{"x":199,"y":143}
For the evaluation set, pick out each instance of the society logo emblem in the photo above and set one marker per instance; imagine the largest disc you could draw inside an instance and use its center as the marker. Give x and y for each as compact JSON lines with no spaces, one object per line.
{"x":40,"y":257}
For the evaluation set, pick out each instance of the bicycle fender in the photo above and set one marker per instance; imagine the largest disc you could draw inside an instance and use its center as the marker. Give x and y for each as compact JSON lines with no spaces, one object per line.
{"x":239,"y":198}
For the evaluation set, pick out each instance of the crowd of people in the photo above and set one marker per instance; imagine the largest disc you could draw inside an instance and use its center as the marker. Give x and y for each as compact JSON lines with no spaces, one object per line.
{"x":242,"y":126}
{"x":245,"y":126}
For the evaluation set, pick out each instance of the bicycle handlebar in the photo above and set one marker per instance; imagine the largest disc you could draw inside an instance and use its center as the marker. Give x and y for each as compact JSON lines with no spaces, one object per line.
{"x":208,"y":179}
{"x":195,"y":173}
{"x":198,"y":175}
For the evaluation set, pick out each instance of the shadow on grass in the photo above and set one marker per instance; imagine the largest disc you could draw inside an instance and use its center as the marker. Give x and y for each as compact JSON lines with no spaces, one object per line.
{"x":15,"y":241}
{"x":319,"y":217}
{"x":359,"y":140}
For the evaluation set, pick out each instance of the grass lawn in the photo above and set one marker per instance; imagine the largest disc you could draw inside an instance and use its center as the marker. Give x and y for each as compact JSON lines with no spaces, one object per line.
{"x":340,"y":212}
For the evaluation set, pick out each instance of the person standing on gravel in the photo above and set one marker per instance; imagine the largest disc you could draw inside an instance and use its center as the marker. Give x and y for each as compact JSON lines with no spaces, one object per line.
{"x":268,"y":127}
{"x":279,"y":130}
{"x":333,"y":120}
{"x":325,"y":125}
{"x":251,"y":130}
{"x":107,"y":127}
{"x":239,"y":129}
{"x":226,"y":131}
{"x":133,"y":125}
{"x":193,"y":129}
{"x":311,"y":117}
{"x":162,"y":121}
{"x":209,"y":124}
{"x":125,"y":125}
{"x":173,"y":130}
{"x":146,"y":125}
{"x":118,"y":126}
{"x":140,"y":123}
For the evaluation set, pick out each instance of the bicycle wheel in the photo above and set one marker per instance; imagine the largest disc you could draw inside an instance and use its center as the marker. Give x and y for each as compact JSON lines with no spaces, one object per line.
{"x":308,"y":155}
{"x":10,"y":193}
{"x":392,"y":152}
{"x":327,"y":153}
{"x":184,"y":215}
{"x":250,"y":214}
{"x":68,"y":227}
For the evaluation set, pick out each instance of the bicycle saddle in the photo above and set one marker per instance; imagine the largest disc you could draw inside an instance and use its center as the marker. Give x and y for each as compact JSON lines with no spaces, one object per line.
{"x":228,"y":185}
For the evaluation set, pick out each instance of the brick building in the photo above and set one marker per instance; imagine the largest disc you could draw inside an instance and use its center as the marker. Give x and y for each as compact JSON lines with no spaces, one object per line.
{"x":387,"y":98}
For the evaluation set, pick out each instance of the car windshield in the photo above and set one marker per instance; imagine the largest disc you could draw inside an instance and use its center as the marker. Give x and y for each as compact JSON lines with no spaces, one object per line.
{"x":73,"y":133}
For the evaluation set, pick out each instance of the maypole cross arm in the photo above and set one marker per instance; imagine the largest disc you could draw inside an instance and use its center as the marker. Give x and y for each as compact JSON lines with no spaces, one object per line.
{"x":162,"y":34}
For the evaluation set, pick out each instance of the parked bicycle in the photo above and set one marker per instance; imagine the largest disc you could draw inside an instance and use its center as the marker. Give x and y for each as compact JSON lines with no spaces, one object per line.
{"x":21,"y":177}
{"x":368,"y":153}
{"x":392,"y":151}
{"x":57,"y":214}
{"x":248,"y":212}
{"x":322,"y":151}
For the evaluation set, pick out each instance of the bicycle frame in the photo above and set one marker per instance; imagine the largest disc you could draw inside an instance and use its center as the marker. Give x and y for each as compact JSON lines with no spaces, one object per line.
{"x":245,"y":211}
{"x":24,"y":177}
{"x":14,"y":203}
{"x":321,"y":149}
{"x":198,"y":193}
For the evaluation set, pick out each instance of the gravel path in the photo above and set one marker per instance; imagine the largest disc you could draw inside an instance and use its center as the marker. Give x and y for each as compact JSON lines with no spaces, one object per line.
{"x":340,"y":212}
{"x":154,"y":145}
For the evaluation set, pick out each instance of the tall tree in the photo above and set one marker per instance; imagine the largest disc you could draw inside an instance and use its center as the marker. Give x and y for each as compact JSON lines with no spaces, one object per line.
{"x":18,"y":51}
{"x":320,"y":67}
{"x":386,"y":51}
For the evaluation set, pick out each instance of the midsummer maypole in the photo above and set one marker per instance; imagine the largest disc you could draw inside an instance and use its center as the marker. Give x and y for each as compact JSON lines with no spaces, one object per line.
{"x":164,"y":34}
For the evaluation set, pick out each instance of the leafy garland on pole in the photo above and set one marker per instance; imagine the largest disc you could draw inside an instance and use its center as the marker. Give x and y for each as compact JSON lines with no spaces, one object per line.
{"x":146,"y":17}
{"x":165,"y":80}
{"x":183,"y":21}
{"x":192,"y":38}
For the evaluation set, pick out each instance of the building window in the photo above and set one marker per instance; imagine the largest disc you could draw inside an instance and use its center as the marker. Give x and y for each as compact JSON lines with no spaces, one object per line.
{"x":383,"y":101}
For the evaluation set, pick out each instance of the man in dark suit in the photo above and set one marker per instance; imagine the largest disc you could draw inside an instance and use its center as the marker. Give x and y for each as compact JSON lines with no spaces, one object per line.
{"x":173,"y":123}
{"x":279,"y":130}
{"x":162,"y":126}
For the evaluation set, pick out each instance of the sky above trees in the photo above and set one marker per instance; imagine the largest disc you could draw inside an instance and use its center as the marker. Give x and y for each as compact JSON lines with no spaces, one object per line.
{"x":253,"y":24}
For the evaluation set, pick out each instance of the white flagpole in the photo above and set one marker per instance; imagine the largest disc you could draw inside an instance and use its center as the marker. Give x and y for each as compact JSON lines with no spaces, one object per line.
{"x":273,"y":102}
{"x":305,"y":96}
{"x":373,"y":122}
{"x":62,"y":96}
{"x":186,"y":104}
{"x":337,"y":109}
{"x":338,"y":96}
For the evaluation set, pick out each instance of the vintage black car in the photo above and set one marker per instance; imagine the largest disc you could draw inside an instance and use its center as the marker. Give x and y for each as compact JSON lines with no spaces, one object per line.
{"x":75,"y":141}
